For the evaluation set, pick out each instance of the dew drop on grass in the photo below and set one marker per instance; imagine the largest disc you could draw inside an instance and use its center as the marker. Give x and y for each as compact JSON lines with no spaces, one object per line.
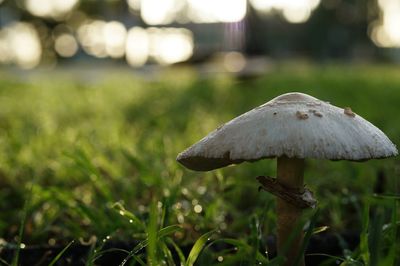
{"x":166,"y":192}
{"x":108,"y":237}
{"x":122,"y":212}
{"x":22,"y":245}
{"x":180,"y":218}
{"x":142,"y":208}
{"x":220,"y":258}
{"x":51,"y":242}
{"x":201,"y":190}
{"x":185,"y":191}
{"x":198,"y":208}
{"x":130,"y":221}
{"x":223,"y":226}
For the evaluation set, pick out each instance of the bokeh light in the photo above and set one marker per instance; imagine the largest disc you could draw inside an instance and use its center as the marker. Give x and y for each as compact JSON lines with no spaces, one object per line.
{"x":386,"y":31}
{"x":298,"y":11}
{"x":163,"y":45}
{"x":234,"y":61}
{"x":103,"y":39}
{"x":209,"y":11}
{"x":90,"y":35}
{"x":155,"y":12}
{"x":20,"y":44}
{"x":66,"y":45}
{"x":170,"y":45}
{"x":50,"y":8}
{"x":137,"y":47}
{"x":114,"y":36}
{"x":133,"y":4}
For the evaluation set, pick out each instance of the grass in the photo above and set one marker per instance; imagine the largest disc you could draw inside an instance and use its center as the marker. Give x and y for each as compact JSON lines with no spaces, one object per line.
{"x":97,"y":154}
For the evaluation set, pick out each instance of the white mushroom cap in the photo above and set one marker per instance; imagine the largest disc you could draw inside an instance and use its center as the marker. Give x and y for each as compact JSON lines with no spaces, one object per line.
{"x":293,"y":125}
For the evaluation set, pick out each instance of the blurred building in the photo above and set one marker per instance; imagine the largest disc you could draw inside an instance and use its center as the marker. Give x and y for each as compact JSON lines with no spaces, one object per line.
{"x":138,"y":32}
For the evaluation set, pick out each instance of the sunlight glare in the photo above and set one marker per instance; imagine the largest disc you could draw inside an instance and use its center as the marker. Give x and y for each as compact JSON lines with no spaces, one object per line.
{"x":234,"y":61}
{"x":156,"y":12}
{"x":50,"y":8}
{"x":20,"y":44}
{"x":297,"y":15}
{"x":137,"y":47}
{"x":133,"y":4}
{"x":102,"y":39}
{"x":298,"y":11}
{"x":164,"y":45}
{"x":171,"y":45}
{"x":386,"y":31}
{"x":209,"y":11}
{"x":115,"y":34}
{"x":5,"y":54}
{"x":65,"y":45}
{"x":90,"y":35}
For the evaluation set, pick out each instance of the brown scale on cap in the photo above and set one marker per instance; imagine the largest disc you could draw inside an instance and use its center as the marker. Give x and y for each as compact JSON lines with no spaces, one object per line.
{"x":349,"y":112}
{"x":318,"y":114}
{"x":301,"y":115}
{"x":315,"y":112}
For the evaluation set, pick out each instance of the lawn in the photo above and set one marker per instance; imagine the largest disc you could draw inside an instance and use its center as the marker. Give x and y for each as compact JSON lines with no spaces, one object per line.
{"x":89,"y":157}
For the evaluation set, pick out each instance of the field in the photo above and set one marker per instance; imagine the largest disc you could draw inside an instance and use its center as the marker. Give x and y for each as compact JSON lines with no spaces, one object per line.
{"x":90,"y":158}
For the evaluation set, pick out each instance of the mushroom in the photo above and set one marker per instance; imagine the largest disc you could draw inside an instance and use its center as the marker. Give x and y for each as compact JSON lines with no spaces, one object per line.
{"x":291,"y":127}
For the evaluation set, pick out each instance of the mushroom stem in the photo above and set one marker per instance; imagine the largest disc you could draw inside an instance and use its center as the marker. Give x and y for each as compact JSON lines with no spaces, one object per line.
{"x":290,"y":174}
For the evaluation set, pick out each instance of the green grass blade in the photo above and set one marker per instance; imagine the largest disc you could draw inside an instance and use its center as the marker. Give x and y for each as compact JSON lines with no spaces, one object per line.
{"x":307,"y":237}
{"x":254,"y":239}
{"x":375,"y":237}
{"x":132,"y":217}
{"x":82,"y":161}
{"x":198,"y":247}
{"x":241,"y":245}
{"x":91,"y":255}
{"x":60,"y":254}
{"x":162,"y":233}
{"x":178,"y":251}
{"x":320,"y":229}
{"x":326,"y":255}
{"x":15,"y":261}
{"x":387,"y":196}
{"x":393,"y":252}
{"x":102,"y":252}
{"x":4,"y":262}
{"x":152,"y":258}
{"x":139,"y":260}
{"x":166,"y":253}
{"x":364,"y":247}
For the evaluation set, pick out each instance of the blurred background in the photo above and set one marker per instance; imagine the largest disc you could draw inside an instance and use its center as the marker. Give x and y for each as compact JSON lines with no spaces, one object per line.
{"x":97,"y":97}
{"x":151,"y":32}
